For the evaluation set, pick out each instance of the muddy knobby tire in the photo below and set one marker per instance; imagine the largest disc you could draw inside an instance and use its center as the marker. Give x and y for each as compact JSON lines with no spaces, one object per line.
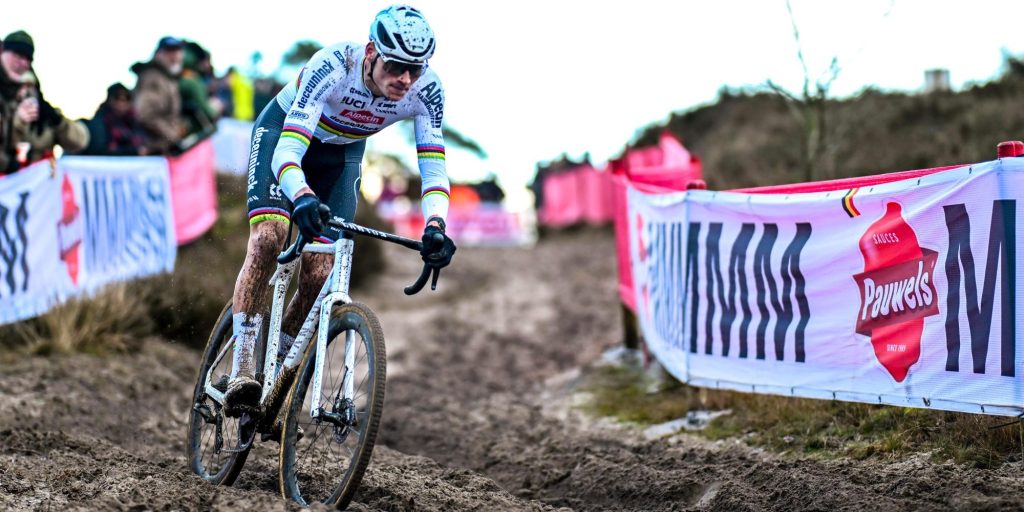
{"x":325,"y":463}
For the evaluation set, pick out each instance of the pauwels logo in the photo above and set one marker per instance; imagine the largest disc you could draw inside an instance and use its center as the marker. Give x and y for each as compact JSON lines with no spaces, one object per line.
{"x":69,"y":229}
{"x":897,"y":291}
{"x":362,"y":116}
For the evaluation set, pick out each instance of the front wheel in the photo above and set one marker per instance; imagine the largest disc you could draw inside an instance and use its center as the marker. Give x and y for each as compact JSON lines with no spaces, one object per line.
{"x":325,"y":463}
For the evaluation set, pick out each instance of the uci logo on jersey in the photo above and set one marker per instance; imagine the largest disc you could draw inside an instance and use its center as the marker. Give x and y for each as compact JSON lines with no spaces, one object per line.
{"x":348,"y":100}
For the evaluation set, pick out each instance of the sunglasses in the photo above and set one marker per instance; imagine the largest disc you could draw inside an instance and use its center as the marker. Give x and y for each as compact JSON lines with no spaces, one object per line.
{"x":395,"y":68}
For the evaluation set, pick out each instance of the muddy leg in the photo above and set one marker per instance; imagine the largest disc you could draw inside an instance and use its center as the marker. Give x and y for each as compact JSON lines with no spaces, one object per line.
{"x":249,"y":303}
{"x":313,"y":273}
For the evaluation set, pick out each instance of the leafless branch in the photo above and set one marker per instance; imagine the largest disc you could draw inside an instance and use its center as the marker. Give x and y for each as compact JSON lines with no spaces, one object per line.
{"x":799,"y":45}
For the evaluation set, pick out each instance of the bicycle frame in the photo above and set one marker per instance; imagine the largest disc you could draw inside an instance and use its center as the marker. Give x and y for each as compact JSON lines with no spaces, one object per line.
{"x":335,"y":289}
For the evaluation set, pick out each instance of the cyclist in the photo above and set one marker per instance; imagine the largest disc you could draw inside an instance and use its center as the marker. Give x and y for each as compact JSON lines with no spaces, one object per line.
{"x":306,"y":149}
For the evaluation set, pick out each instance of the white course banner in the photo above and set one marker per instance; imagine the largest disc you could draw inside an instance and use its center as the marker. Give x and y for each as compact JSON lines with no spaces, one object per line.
{"x":75,"y":227}
{"x":34,"y":273}
{"x":126,"y":218}
{"x":902,"y":293}
{"x":231,"y":146}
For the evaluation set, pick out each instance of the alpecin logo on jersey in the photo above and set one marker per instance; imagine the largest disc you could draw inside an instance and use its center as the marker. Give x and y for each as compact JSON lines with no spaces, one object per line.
{"x":362,"y":116}
{"x":433,"y":100}
{"x":897,"y":291}
{"x":69,"y":230}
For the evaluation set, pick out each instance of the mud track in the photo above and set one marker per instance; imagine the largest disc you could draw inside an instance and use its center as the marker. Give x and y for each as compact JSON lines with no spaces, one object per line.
{"x":479,"y":416}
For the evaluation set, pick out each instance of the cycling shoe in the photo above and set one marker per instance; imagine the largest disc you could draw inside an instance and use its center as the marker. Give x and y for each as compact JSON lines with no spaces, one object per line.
{"x":243,"y":396}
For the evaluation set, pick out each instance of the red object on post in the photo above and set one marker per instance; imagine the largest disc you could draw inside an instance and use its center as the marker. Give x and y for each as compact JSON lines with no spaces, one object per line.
{"x":696,"y":185}
{"x":1010,"y":148}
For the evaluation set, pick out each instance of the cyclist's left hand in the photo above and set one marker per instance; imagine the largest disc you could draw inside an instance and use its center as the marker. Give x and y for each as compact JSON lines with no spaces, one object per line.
{"x":438,"y":249}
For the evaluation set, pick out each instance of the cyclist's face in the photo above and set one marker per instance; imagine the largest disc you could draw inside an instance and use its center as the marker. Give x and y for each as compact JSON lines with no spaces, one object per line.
{"x":393,"y":86}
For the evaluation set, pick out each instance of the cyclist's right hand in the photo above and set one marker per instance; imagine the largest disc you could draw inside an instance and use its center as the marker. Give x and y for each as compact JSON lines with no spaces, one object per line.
{"x":306,"y":216}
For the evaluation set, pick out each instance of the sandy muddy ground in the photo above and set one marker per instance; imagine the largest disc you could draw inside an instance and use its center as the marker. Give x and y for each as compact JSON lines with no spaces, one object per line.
{"x":478,"y":417}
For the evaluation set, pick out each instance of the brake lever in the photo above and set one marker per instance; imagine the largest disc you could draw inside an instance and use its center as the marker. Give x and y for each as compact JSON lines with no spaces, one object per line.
{"x":294,"y":251}
{"x":420,"y":282}
{"x":433,"y":282}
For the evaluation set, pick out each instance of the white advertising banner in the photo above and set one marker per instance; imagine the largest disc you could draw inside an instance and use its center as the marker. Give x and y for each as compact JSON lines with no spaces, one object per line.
{"x":231,"y":146}
{"x":35,"y":271}
{"x":901,"y":293}
{"x":126,"y":217}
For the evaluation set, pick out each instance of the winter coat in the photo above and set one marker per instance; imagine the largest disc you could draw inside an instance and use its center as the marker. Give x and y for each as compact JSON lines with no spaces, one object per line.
{"x":157,"y":102}
{"x":8,"y":104}
{"x":50,"y":129}
{"x":114,"y":135}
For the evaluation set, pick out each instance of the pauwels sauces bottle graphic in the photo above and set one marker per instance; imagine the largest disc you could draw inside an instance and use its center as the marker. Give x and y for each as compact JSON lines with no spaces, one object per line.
{"x":897,"y":291}
{"x":69,"y":229}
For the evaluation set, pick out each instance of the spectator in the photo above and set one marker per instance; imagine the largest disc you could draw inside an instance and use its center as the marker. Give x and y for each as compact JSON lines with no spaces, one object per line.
{"x":242,"y":100}
{"x":157,"y":97}
{"x":35,"y":126}
{"x":16,"y":60}
{"x":198,"y":111}
{"x":219,"y":89}
{"x":115,"y":129}
{"x":264,"y":91}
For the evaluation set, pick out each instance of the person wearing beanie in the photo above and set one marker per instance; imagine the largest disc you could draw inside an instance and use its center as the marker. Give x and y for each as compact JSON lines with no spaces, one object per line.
{"x":25,"y":116}
{"x":20,"y":43}
{"x":197,"y":111}
{"x":15,"y":60}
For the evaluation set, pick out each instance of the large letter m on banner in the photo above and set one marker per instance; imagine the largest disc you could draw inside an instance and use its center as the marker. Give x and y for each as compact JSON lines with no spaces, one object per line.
{"x":1000,"y":261}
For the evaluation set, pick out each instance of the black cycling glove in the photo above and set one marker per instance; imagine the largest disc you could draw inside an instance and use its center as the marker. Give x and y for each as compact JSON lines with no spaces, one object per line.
{"x":438,"y":249}
{"x":306,"y":216}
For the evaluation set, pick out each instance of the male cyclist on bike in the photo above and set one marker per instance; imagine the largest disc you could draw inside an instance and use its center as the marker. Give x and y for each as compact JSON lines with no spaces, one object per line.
{"x":307,"y":147}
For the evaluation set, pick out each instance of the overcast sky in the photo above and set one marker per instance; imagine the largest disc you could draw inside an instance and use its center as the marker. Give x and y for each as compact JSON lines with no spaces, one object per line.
{"x":532,"y":79}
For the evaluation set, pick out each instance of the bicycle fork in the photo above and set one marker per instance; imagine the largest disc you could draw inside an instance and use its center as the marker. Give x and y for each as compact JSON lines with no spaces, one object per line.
{"x":338,"y":282}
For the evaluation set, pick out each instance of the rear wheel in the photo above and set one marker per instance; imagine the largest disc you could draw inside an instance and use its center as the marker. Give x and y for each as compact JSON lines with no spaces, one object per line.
{"x":327,"y":462}
{"x":217,"y":444}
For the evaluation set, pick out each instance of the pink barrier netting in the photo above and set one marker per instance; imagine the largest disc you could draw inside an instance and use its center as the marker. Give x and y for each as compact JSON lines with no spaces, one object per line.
{"x":585,"y":194}
{"x":667,"y":167}
{"x":193,"y":191}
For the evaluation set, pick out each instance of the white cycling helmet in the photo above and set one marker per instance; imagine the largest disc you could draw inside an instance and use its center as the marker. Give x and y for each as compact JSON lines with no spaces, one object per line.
{"x":401,"y":33}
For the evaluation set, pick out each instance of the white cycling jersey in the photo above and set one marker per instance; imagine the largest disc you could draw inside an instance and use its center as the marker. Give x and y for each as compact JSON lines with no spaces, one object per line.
{"x":330,"y":102}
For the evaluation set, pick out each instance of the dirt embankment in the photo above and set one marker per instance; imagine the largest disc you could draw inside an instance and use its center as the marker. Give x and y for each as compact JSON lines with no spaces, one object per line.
{"x":478,"y":416}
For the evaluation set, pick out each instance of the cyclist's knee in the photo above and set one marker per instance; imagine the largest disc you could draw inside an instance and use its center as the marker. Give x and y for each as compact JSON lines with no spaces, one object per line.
{"x":267,"y":238}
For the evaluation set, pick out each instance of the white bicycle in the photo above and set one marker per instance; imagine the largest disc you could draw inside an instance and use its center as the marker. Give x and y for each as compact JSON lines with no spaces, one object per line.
{"x":331,"y":411}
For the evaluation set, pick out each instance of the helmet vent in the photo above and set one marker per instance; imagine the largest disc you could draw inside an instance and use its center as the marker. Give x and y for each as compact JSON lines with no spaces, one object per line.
{"x":383,"y":37}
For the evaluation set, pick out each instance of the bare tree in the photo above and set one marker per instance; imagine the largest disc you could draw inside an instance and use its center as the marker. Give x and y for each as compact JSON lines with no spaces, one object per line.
{"x":809,"y":106}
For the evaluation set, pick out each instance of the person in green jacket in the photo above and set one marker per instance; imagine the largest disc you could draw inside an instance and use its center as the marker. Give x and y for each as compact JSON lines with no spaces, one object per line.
{"x":199,"y":111}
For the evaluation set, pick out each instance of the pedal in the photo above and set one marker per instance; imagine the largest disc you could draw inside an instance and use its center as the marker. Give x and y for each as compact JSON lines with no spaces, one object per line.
{"x":239,"y":410}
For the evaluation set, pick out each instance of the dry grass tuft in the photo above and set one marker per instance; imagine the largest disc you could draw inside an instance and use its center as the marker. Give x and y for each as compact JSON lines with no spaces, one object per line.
{"x":113,"y":320}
